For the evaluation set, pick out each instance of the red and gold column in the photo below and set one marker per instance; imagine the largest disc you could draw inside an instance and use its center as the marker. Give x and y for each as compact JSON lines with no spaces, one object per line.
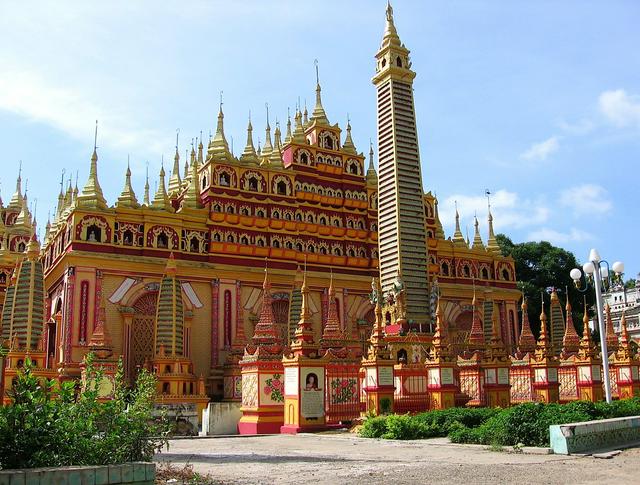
{"x":263,"y":374}
{"x":495,"y":368}
{"x":378,"y":366}
{"x":441,"y":367}
{"x":626,"y":365}
{"x":546,"y":387}
{"x":588,"y":366}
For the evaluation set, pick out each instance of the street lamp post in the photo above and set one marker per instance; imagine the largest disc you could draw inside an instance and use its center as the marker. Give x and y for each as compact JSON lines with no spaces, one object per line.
{"x":601,"y":277}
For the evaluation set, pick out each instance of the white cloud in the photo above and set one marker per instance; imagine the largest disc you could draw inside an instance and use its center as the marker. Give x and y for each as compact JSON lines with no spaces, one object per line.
{"x":586,"y":199}
{"x":620,"y":108}
{"x":557,"y":237}
{"x":541,"y":151}
{"x":509,"y":211}
{"x":580,"y":127}
{"x":28,"y":95}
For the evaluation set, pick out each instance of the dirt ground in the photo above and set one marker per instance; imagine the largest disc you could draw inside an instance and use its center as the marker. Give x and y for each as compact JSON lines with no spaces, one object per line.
{"x":345,"y":458}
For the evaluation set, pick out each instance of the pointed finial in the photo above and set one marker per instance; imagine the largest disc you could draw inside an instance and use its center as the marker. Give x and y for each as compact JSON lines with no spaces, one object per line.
{"x":95,"y":138}
{"x":315,"y":62}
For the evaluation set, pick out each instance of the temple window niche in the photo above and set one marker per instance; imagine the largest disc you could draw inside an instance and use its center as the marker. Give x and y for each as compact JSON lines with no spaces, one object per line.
{"x":162,"y":241}
{"x":94,"y":233}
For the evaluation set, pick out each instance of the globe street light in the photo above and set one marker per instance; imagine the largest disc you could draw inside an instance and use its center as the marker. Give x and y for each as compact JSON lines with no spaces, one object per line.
{"x":597,"y":272}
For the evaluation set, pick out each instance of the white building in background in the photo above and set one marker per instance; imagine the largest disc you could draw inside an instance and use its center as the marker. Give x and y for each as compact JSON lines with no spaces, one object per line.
{"x":628,"y":300}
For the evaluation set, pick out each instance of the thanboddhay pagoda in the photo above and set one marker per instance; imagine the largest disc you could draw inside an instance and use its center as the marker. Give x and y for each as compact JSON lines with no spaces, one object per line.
{"x":176,"y":282}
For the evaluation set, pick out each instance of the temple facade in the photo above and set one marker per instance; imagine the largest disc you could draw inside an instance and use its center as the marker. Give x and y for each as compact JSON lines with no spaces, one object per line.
{"x":307,"y":196}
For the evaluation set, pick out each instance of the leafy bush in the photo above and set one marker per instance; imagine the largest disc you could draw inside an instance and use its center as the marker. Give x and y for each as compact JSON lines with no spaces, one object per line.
{"x":526,"y":424}
{"x":50,"y":425}
{"x":425,"y":425}
{"x":374,"y":427}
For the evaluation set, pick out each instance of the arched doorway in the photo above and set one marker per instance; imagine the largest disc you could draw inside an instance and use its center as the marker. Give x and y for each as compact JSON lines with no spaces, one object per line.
{"x":141,"y":332}
{"x":459,"y":331}
{"x":280,"y":307}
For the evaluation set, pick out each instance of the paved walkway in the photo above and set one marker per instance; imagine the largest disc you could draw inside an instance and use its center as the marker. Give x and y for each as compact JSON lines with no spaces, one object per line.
{"x":345,"y":458}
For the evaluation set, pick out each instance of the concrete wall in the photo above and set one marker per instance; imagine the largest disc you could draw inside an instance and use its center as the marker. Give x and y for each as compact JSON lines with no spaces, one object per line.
{"x":221,"y":418}
{"x":126,"y":474}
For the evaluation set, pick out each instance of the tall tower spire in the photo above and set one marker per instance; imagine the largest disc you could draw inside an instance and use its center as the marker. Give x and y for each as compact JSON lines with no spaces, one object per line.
{"x":403,"y":248}
{"x":91,"y":196}
{"x":319,"y":115}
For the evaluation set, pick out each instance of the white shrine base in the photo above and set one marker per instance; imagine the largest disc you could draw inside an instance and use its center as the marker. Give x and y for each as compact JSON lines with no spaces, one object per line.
{"x":220,"y":418}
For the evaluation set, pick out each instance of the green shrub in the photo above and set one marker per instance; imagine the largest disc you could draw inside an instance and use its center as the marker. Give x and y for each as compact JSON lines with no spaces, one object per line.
{"x":373,"y":427}
{"x":443,"y":420}
{"x":49,"y":425}
{"x":526,"y":423}
{"x":618,"y":409}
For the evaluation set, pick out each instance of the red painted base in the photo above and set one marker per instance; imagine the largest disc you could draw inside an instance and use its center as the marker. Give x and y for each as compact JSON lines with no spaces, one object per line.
{"x":259,"y":428}
{"x":293,"y":429}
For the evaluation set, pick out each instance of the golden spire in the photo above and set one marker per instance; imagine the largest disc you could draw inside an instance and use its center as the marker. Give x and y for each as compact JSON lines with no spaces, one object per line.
{"x":24,"y":217}
{"x":492,"y":243}
{"x":305,"y":118}
{"x":348,"y":145}
{"x":587,"y":348}
{"x":372,"y":176}
{"x":127,"y":197}
{"x":390,"y":36}
{"x":175,"y":183}
{"x":190,"y":199}
{"x":161,"y":199}
{"x":193,"y":153}
{"x":543,"y":341}
{"x":477,"y":240}
{"x":16,"y":199}
{"x":319,"y":115}
{"x":187,"y":174}
{"x":287,"y":137}
{"x":458,"y":238}
{"x":298,"y":132}
{"x":275,"y":159}
{"x":249,"y":154}
{"x":92,"y":197}
{"x":146,"y":189}
{"x":267,"y":148}
{"x":219,"y":142}
{"x":439,"y":229}
{"x":200,"y":149}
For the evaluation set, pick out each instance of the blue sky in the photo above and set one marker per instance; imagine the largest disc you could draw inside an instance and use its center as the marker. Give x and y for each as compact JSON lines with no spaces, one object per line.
{"x":537,"y":101}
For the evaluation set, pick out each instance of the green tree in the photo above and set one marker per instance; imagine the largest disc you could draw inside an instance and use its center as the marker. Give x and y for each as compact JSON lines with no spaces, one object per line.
{"x":540,"y":265}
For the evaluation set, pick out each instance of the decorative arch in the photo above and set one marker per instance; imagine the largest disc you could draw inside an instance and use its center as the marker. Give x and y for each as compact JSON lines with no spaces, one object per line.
{"x":94,"y":229}
{"x":328,"y":140}
{"x":162,"y":237}
{"x":225,"y":176}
